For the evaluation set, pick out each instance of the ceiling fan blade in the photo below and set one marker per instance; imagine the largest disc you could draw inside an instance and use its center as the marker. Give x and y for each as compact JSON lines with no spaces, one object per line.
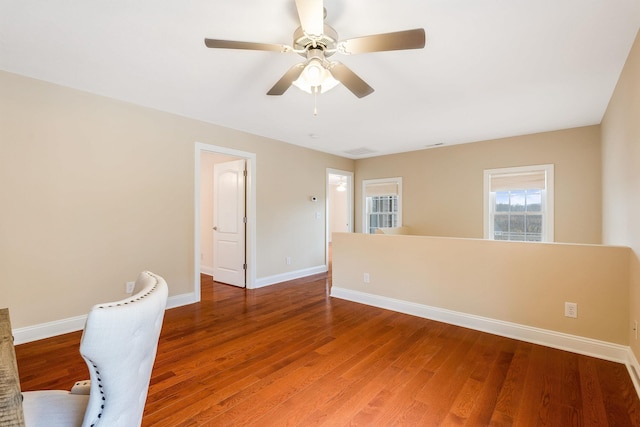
{"x":400,"y":40}
{"x":230,"y":44}
{"x":311,"y":13}
{"x":285,"y":81}
{"x":350,"y":80}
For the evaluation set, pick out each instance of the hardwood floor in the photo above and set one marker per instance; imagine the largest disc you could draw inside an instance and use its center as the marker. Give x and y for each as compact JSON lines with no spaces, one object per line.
{"x":288,"y":354}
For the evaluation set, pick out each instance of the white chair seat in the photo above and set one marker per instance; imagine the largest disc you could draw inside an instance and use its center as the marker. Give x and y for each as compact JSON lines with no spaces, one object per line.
{"x":54,"y":408}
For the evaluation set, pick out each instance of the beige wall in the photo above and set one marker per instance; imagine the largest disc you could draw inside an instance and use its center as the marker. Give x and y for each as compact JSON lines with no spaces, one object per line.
{"x":443,"y":187}
{"x":94,"y":190}
{"x":522,"y":283}
{"x":621,"y":176}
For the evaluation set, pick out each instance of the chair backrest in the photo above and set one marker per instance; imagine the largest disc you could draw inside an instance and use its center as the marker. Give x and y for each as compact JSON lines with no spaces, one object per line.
{"x":119,"y":344}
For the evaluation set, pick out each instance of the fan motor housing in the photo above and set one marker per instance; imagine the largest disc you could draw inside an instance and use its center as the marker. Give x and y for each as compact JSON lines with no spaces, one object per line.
{"x":327,"y":42}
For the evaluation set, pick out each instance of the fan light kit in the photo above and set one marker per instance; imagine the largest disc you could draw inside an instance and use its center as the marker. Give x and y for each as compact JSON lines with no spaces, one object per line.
{"x":317,"y":41}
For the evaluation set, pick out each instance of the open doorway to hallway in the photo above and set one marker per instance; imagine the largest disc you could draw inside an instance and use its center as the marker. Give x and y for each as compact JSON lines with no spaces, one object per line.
{"x":339,"y":207}
{"x":206,"y":158}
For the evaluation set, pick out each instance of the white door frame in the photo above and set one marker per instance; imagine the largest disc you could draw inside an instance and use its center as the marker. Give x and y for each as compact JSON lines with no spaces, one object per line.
{"x":350,"y":200}
{"x":250,"y":212}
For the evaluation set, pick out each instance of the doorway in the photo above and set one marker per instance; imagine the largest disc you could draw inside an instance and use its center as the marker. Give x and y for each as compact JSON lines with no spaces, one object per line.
{"x":229,"y":221}
{"x":206,"y":157}
{"x":339,"y":206}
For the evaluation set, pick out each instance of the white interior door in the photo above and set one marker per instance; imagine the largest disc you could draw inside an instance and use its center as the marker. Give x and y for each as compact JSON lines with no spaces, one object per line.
{"x":229,"y":222}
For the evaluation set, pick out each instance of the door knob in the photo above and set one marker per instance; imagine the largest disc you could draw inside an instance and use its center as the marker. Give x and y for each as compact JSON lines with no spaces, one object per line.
{"x":215,"y":228}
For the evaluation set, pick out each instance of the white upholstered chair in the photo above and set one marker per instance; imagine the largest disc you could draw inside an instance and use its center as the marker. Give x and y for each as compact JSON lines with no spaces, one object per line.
{"x":119,"y":344}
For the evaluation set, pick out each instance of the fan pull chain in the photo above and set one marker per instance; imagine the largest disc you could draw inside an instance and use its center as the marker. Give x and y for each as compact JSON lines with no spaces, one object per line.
{"x":315,"y":101}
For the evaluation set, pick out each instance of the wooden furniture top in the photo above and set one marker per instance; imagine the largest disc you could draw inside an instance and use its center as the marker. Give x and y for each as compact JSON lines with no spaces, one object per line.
{"x":10,"y":396}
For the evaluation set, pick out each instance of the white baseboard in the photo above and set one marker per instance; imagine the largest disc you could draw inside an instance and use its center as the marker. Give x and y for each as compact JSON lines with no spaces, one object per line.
{"x":278,"y":278}
{"x":48,"y":330}
{"x":634,"y":370}
{"x":72,"y":324}
{"x":180,"y":300}
{"x":586,"y":346}
{"x":205,"y":269}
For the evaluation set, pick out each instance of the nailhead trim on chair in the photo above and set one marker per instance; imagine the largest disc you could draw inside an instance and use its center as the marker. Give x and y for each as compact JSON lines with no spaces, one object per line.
{"x":130,"y":301}
{"x":104,"y":399}
{"x":101,"y":391}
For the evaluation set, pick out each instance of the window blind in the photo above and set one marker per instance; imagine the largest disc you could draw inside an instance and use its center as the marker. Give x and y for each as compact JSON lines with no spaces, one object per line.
{"x":381,"y":189}
{"x":518,"y":181}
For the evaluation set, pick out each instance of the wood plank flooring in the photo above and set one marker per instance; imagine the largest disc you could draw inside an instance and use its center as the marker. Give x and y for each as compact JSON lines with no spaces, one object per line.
{"x":289,"y":355}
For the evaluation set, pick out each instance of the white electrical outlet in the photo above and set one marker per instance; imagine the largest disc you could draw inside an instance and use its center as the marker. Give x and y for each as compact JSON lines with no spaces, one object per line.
{"x":571,"y":309}
{"x":128,"y":288}
{"x":288,"y":260}
{"x":366,"y":278}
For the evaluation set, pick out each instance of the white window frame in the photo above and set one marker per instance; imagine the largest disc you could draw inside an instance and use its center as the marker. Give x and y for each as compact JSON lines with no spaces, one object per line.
{"x":547,"y":198}
{"x":365,"y":215}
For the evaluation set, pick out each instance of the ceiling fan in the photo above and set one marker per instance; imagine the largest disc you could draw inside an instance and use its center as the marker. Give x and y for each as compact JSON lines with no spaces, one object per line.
{"x":317,"y":41}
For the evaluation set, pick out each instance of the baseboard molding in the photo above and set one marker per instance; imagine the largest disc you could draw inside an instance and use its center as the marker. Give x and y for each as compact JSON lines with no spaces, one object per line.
{"x":204,"y":269}
{"x":576,"y":344}
{"x":180,"y":300}
{"x":291,"y":275}
{"x":48,"y":330}
{"x":634,"y":370}
{"x":73,"y":324}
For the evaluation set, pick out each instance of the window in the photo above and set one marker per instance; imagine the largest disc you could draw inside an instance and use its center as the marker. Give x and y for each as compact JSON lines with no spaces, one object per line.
{"x":382,"y":203}
{"x":519,"y":204}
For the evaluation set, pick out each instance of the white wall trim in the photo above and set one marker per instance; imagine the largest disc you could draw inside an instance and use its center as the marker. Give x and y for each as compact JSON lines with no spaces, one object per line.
{"x":291,"y":275}
{"x":576,"y":344}
{"x":182,"y":299}
{"x":205,"y":269}
{"x":634,"y":370}
{"x":48,"y":330}
{"x":73,"y":324}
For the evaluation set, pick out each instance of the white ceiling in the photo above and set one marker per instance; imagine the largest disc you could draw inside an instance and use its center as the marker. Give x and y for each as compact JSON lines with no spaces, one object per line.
{"x":490,"y":69}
